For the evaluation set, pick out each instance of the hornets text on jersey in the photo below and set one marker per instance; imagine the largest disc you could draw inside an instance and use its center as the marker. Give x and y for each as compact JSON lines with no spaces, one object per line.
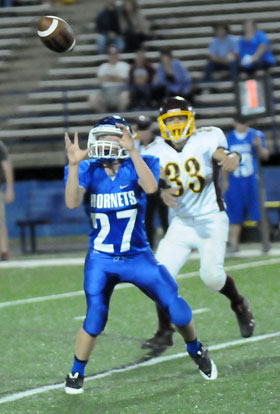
{"x":117,"y":206}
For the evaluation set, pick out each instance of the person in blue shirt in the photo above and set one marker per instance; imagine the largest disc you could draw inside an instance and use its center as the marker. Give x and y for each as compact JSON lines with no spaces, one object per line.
{"x":241,"y":187}
{"x":172,"y":78}
{"x":118,"y":179}
{"x":223,"y":53}
{"x":254,"y":49}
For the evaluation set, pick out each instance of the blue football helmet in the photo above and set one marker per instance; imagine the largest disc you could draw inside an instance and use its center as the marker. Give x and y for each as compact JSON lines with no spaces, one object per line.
{"x":103,"y":149}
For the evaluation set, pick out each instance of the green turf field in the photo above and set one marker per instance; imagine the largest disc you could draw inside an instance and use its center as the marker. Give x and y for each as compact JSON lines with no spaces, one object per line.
{"x":37,"y":347}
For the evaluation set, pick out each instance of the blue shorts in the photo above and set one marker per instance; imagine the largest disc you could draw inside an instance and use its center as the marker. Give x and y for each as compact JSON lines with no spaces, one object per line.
{"x":103,"y":272}
{"x":242,"y":200}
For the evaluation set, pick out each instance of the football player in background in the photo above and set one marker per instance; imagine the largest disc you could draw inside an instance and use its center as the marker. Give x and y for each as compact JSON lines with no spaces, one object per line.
{"x":241,"y":187}
{"x":7,"y":197}
{"x":190,"y":162}
{"x":118,"y":179}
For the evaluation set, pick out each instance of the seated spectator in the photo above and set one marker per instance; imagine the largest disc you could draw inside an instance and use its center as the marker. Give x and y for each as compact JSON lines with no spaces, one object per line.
{"x":6,"y":197}
{"x":6,"y":3}
{"x":113,"y":79}
{"x":223,"y":53}
{"x":254,"y":49}
{"x":172,"y":78}
{"x":108,"y":28}
{"x":140,"y":81}
{"x":135,"y":26}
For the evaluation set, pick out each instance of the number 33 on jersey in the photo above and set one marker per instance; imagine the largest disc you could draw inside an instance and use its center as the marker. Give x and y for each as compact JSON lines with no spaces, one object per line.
{"x":193,"y":170}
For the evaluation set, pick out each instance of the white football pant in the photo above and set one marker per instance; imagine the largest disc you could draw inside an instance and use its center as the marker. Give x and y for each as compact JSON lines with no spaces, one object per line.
{"x":208,"y":234}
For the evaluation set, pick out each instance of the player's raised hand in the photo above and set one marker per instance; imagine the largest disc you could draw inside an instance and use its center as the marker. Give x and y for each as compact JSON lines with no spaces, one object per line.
{"x":74,"y":153}
{"x":257,"y":142}
{"x":126,"y":141}
{"x":169,"y":196}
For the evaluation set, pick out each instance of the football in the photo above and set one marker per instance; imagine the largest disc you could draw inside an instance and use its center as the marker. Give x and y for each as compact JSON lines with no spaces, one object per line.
{"x":56,"y":34}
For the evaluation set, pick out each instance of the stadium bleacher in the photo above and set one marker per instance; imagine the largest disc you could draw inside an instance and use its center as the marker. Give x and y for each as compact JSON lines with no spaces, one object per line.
{"x":54,"y":88}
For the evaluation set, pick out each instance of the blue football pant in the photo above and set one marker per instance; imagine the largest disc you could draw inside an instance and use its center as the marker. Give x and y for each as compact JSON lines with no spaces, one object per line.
{"x":103,"y":272}
{"x":242,"y":200}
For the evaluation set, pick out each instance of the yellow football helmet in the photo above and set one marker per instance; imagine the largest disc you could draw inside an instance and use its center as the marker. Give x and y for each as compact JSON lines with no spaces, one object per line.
{"x":176,"y":107}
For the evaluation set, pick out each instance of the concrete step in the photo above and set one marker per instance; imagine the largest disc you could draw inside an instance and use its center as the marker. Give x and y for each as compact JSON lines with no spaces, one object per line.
{"x":11,"y":42}
{"x":270,"y":28}
{"x":25,"y":10}
{"x":19,"y":21}
{"x":10,"y":32}
{"x":39,"y":159}
{"x":199,"y":3}
{"x":198,"y":21}
{"x":212,"y":9}
{"x":58,"y":96}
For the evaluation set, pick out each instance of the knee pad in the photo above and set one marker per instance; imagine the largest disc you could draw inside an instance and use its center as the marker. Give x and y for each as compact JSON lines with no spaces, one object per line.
{"x":179,"y":311}
{"x":96,"y":318}
{"x":214,"y":277}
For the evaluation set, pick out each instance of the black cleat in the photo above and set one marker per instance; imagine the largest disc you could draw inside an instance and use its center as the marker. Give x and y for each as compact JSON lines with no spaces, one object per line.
{"x":245,"y":318}
{"x":74,"y":383}
{"x":161,"y":339}
{"x":205,"y":364}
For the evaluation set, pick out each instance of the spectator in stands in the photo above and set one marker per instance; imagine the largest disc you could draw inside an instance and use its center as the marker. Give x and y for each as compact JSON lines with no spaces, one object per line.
{"x":254,"y":49}
{"x":135,"y":26}
{"x":223,"y":53}
{"x":155,"y":205}
{"x":6,"y":3}
{"x":113,"y":79}
{"x":141,"y":76}
{"x":6,"y":176}
{"x":172,"y":78}
{"x":241,"y":187}
{"x":108,"y":27}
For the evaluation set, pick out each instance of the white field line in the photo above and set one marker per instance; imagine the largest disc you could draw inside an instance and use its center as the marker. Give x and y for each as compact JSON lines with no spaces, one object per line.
{"x":195,"y":312}
{"x":64,"y":261}
{"x":76,"y":261}
{"x":128,"y":285}
{"x":40,"y":390}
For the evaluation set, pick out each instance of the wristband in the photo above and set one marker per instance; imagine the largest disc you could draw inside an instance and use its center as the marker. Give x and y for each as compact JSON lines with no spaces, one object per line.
{"x":162,"y":184}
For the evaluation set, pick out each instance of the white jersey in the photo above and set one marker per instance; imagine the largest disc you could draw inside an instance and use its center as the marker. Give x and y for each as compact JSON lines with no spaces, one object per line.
{"x":194,"y":170}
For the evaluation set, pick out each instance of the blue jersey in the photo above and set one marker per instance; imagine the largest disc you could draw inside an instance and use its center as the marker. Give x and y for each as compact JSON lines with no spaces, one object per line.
{"x":117,"y":206}
{"x":249,"y":164}
{"x":249,"y":47}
